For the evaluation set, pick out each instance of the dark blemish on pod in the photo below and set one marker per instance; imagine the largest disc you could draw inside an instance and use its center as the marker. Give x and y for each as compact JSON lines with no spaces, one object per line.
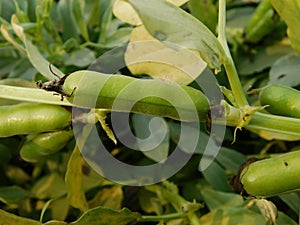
{"x":85,"y":170}
{"x":235,"y":181}
{"x":160,"y":35}
{"x":286,"y":164}
{"x":189,"y":34}
{"x":281,"y":76}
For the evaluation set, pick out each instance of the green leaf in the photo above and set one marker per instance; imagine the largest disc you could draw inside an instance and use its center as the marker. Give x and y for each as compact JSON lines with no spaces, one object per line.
{"x":263,"y":58}
{"x":149,"y":202}
{"x":11,"y":219}
{"x":105,"y":24}
{"x":206,"y":12}
{"x":67,"y":20}
{"x":285,"y":71}
{"x":238,"y":17}
{"x":119,"y":37}
{"x":7,"y":8}
{"x":292,"y":200}
{"x":51,"y":186}
{"x":31,"y":95}
{"x":216,"y":176}
{"x":216,"y":199}
{"x":55,"y":222}
{"x":22,"y":69}
{"x":59,"y":208}
{"x":78,"y":11}
{"x":283,"y":219}
{"x":230,"y":159}
{"x":80,"y":58}
{"x":74,"y":173}
{"x":289,"y":10}
{"x":152,"y":136}
{"x":12,"y":194}
{"x":175,"y":27}
{"x":5,"y":153}
{"x":103,"y":216}
{"x":7,"y":63}
{"x":110,"y":197}
{"x":228,"y":216}
{"x":186,"y":140}
{"x":33,"y":54}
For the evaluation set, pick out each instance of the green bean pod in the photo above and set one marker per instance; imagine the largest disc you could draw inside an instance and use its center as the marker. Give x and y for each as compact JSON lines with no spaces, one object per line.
{"x":155,"y":97}
{"x":40,"y":145}
{"x":273,"y":176}
{"x":29,"y":118}
{"x":261,"y":23}
{"x":281,"y":100}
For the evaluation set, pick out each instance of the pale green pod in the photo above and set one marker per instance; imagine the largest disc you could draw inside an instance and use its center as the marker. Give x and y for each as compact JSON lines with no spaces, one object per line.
{"x":273,"y":176}
{"x":281,"y":100}
{"x":154,"y":97}
{"x":41,"y":145}
{"x":29,"y":118}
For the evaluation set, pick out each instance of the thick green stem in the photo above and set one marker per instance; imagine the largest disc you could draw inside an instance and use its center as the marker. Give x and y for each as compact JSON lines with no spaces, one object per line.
{"x":229,"y":65}
{"x":265,"y":122}
{"x":178,"y":203}
{"x":273,"y":123}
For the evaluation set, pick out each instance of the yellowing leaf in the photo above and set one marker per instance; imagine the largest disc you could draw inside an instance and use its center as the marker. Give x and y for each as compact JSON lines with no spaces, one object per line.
{"x":124,"y":11}
{"x":289,"y":10}
{"x":229,"y":216}
{"x":74,"y":177}
{"x":110,"y":197}
{"x":104,"y":216}
{"x":178,"y":29}
{"x":146,"y":55}
{"x":11,"y":219}
{"x":270,"y":135}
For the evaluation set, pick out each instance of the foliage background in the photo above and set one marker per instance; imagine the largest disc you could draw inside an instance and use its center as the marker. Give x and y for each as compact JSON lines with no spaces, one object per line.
{"x":71,"y":34}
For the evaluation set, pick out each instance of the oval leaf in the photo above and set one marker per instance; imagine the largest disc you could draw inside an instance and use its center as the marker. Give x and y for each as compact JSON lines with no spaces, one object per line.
{"x":156,"y":144}
{"x":146,"y":55}
{"x":11,"y":219}
{"x":285,"y":71}
{"x":178,"y":29}
{"x":289,"y":11}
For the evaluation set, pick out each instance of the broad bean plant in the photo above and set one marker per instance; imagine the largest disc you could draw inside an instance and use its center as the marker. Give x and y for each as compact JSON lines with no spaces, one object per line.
{"x":66,"y":66}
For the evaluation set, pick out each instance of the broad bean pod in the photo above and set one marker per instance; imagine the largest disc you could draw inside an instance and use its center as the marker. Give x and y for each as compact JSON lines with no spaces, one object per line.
{"x":273,"y":176}
{"x":29,"y":118}
{"x":40,"y":145}
{"x":96,"y":90}
{"x":281,"y":100}
{"x":262,"y":22}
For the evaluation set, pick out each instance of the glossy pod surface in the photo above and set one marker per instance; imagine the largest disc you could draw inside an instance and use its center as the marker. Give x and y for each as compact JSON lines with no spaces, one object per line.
{"x":273,"y":176}
{"x":28,"y":118}
{"x":147,"y":96}
{"x":44,"y":144}
{"x":282,"y":100}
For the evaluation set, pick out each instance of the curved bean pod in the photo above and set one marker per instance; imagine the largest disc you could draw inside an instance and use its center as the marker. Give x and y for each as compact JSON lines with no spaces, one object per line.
{"x":282,"y":100}
{"x":273,"y":176}
{"x":161,"y":98}
{"x":44,"y":144}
